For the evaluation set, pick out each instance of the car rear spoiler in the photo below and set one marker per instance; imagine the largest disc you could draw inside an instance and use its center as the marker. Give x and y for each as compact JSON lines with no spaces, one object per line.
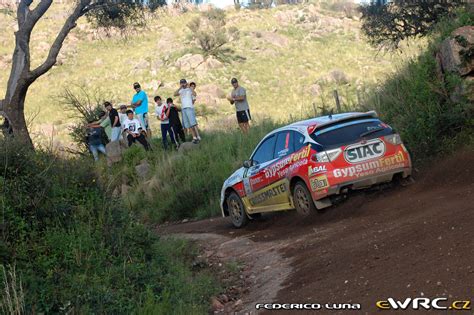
{"x":356,"y":116}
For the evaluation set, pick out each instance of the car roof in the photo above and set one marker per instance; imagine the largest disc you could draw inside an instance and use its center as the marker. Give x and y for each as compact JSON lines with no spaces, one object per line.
{"x":323,"y":120}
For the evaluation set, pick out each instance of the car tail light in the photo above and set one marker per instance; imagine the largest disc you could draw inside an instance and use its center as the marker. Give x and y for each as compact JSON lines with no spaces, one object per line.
{"x":328,"y":156}
{"x":394,"y":139}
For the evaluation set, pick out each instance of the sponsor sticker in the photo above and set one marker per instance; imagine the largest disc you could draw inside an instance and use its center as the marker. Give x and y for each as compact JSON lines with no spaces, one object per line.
{"x":316,"y":170}
{"x":267,"y":194}
{"x":273,"y":169}
{"x":368,"y":168}
{"x":364,"y":151}
{"x":319,"y":182}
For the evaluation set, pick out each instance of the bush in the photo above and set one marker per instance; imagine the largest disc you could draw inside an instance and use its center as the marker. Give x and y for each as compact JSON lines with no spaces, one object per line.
{"x":76,"y":250}
{"x":417,"y":102}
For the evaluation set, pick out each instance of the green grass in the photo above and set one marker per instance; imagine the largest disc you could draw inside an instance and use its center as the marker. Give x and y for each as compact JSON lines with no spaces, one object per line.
{"x":276,"y":78}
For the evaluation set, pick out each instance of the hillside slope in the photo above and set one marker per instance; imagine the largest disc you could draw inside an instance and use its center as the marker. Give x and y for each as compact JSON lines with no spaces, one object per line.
{"x":286,"y":57}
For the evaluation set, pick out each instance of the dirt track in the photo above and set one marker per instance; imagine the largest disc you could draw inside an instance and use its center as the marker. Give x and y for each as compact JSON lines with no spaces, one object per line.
{"x":401,"y":242}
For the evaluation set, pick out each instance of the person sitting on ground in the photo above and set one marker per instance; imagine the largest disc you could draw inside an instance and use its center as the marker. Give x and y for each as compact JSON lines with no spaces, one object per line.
{"x":114,"y":121}
{"x":188,"y":112}
{"x":162,"y":112}
{"x":134,"y":131}
{"x":175,"y":122}
{"x":94,"y":141}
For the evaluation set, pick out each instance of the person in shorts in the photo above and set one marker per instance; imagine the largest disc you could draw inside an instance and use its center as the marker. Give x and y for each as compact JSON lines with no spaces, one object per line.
{"x":187,"y":109}
{"x":238,"y":97}
{"x":140,"y":106}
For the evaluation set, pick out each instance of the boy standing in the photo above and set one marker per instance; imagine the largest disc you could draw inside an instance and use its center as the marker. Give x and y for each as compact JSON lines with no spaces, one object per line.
{"x":175,"y":122}
{"x":162,"y":112}
{"x":188,"y":112}
{"x":114,"y":121}
{"x":134,"y":131}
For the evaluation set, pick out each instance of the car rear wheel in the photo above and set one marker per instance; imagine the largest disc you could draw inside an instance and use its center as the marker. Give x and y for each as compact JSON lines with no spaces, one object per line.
{"x":302,"y":199}
{"x":237,"y":210}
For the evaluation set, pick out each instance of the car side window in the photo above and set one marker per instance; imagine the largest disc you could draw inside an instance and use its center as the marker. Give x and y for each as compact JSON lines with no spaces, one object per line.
{"x":298,"y":140}
{"x":264,"y":153}
{"x":284,"y":144}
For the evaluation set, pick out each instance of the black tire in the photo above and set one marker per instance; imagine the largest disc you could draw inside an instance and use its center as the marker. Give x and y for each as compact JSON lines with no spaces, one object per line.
{"x":255,"y":216}
{"x":303,"y":200}
{"x":236,"y":209}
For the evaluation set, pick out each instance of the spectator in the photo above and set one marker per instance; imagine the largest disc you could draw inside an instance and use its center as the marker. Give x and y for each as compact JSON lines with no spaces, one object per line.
{"x":104,"y":122}
{"x":175,"y":122}
{"x":238,"y":97}
{"x":94,"y":140}
{"x":162,"y":112}
{"x":134,"y":131}
{"x":140,"y":105}
{"x":189,"y":115}
{"x":114,"y":121}
{"x":192,"y":85}
{"x":122,"y":114}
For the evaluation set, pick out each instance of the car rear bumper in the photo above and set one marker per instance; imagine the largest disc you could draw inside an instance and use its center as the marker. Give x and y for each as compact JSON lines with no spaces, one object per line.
{"x":368,"y":181}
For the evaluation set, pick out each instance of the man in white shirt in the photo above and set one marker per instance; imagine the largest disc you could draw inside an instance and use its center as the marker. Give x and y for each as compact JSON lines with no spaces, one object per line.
{"x":134,"y":131}
{"x":162,"y":112}
{"x":189,"y":115}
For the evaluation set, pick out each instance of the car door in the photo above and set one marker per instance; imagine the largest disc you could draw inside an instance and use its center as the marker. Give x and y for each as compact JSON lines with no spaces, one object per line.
{"x":269,"y":191}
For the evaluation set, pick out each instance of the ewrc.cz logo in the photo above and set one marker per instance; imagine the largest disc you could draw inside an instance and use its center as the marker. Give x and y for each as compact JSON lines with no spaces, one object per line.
{"x":308,"y":306}
{"x":423,"y":303}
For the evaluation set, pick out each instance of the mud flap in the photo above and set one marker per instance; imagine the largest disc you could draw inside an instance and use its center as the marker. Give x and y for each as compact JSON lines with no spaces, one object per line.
{"x":322,"y":203}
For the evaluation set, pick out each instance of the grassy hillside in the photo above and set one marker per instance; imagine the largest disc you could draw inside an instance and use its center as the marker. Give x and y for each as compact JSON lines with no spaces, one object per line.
{"x":286,"y":49}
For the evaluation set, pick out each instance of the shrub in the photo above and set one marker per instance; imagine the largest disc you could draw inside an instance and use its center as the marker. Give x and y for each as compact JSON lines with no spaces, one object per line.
{"x":76,"y":250}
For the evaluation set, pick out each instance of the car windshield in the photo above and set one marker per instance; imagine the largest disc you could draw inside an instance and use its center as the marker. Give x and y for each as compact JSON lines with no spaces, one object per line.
{"x":350,"y":132}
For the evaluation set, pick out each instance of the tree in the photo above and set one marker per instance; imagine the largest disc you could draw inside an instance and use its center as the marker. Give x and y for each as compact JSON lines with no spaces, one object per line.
{"x":387,"y":24}
{"x":109,"y":13}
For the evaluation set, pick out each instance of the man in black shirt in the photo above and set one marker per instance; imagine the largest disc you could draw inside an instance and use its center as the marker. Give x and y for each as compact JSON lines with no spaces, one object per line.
{"x":114,"y":121}
{"x":175,"y":122}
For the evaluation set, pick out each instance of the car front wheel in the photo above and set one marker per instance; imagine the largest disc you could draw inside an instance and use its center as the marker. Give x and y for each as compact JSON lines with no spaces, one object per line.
{"x":237,"y":210}
{"x":302,"y":199}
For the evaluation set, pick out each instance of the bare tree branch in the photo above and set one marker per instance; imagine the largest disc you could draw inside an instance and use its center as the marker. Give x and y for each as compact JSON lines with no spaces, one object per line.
{"x":79,"y":10}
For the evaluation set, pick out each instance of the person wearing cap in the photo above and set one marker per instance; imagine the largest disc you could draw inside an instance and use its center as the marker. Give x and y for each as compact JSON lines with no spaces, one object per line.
{"x":114,"y":121}
{"x":140,"y":106}
{"x":187,"y":107}
{"x":238,"y":97}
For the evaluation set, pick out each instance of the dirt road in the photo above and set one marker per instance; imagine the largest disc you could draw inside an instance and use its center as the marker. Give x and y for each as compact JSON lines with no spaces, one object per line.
{"x":415,"y":241}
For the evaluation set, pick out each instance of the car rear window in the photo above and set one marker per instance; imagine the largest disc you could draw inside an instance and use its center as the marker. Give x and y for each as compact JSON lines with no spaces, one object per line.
{"x":350,"y":132}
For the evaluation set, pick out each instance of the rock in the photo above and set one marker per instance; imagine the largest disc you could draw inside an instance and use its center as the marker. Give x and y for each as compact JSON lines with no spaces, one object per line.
{"x":216,"y":305}
{"x":211,"y":89}
{"x":157,"y":64}
{"x":153,"y":85}
{"x":143,"y":169}
{"x":206,"y":99}
{"x":141,"y":65}
{"x":275,"y":39}
{"x":454,"y":48}
{"x":335,"y":76}
{"x":124,"y":189}
{"x":114,"y":152}
{"x":98,"y":62}
{"x":187,"y":146}
{"x":189,"y":62}
{"x":315,"y":89}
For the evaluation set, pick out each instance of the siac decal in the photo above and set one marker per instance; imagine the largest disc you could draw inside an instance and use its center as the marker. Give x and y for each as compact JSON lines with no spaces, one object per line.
{"x":316,"y":170}
{"x":360,"y":152}
{"x":267,"y":194}
{"x":319,"y":182}
{"x":273,"y":169}
{"x":382,"y":165}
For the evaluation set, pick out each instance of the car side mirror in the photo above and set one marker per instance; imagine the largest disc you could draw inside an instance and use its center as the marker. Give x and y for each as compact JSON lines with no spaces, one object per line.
{"x":248,"y":163}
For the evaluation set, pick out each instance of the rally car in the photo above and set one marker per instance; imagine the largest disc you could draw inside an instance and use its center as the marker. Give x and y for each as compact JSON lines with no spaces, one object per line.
{"x":309,"y":164}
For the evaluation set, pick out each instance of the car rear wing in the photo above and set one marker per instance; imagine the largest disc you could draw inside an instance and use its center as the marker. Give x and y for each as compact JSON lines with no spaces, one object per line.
{"x":335,"y":121}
